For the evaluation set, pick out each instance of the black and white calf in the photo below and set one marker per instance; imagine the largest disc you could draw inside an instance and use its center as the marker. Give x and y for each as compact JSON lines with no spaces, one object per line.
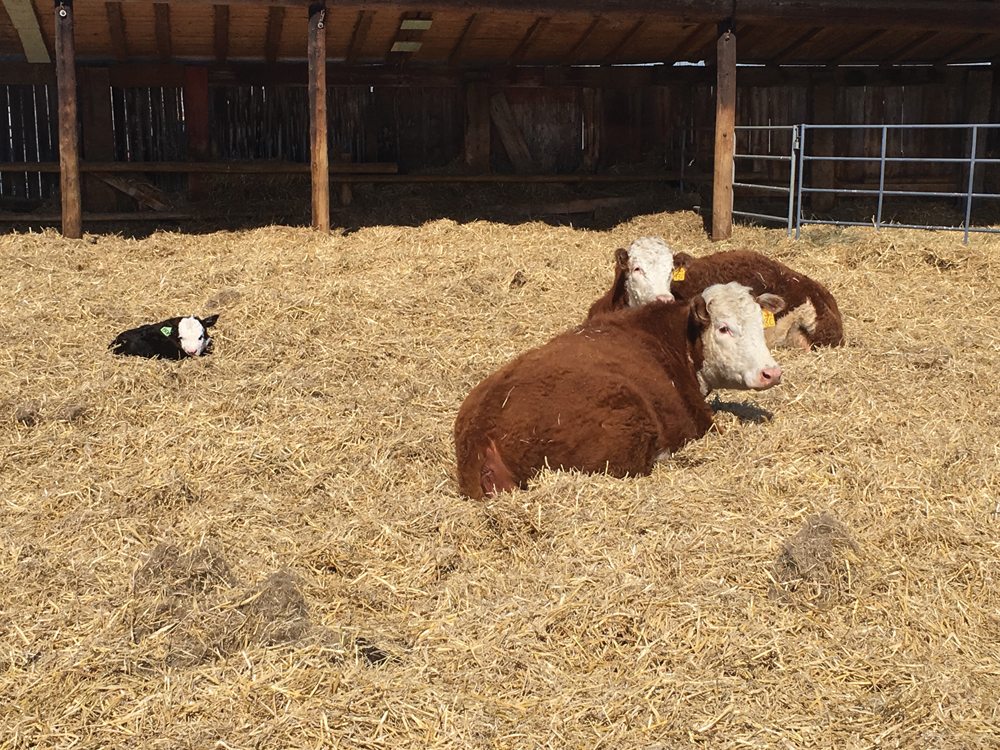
{"x":175,"y":338}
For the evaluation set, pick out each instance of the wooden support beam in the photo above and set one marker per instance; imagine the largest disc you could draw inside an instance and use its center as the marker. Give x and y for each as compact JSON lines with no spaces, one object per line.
{"x":319,"y":157}
{"x":477,"y":127}
{"x":725,"y":133}
{"x":360,"y":35}
{"x":275,"y":23}
{"x":789,"y":51}
{"x":458,"y":51}
{"x":69,"y":143}
{"x":25,"y":20}
{"x":116,"y":30}
{"x":624,"y":41}
{"x":867,"y":41}
{"x":163,"y":43}
{"x":573,"y":55}
{"x":97,"y":134}
{"x":526,"y":41}
{"x":221,"y":33}
{"x":196,"y":123}
{"x":510,"y":134}
{"x":260,"y":166}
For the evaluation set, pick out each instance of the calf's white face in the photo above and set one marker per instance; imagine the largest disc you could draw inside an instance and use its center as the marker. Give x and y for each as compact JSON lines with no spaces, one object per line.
{"x":733,"y":346}
{"x":650,"y":266}
{"x":193,"y":337}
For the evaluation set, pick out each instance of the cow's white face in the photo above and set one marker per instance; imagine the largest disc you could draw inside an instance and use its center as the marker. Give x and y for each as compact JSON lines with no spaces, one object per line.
{"x":650,"y":267}
{"x":193,"y":337}
{"x":735,"y":353}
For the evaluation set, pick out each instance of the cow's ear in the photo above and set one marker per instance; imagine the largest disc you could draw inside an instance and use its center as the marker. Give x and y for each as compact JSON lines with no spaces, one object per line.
{"x":771,"y":302}
{"x":682,"y":260}
{"x":621,"y":258}
{"x":209,"y":321}
{"x":699,"y":312}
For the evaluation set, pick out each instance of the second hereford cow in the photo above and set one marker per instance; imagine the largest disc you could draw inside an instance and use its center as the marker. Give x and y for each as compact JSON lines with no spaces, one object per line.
{"x":615,"y":394}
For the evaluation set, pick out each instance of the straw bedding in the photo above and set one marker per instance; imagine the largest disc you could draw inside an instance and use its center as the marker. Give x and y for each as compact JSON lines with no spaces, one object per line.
{"x":265,"y":547}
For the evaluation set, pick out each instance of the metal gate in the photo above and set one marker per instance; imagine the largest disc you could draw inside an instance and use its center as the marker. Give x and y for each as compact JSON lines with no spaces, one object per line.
{"x":800,"y":152}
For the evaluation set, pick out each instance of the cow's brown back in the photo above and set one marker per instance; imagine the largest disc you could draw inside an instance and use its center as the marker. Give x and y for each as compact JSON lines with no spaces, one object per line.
{"x":608,"y":396}
{"x":764,"y":275}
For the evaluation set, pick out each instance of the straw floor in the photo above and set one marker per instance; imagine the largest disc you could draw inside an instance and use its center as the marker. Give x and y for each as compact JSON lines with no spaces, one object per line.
{"x":264,"y":548}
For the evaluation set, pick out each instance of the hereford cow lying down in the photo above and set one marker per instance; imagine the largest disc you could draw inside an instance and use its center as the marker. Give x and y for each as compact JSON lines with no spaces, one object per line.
{"x":642,"y":274}
{"x":175,"y":338}
{"x":811,"y":317}
{"x":614,"y":394}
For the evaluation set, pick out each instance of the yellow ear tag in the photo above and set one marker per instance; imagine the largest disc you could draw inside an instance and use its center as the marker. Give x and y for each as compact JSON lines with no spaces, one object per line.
{"x":768,"y":318}
{"x":166,"y":330}
{"x":679,"y":274}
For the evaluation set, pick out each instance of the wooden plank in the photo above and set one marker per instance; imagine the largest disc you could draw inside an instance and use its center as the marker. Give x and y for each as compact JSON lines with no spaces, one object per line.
{"x":593,"y":128}
{"x":163,"y":43}
{"x":477,"y":127}
{"x":196,"y":109}
{"x":510,"y":134}
{"x":694,"y":40}
{"x":625,"y":41}
{"x":468,"y":32}
{"x":319,"y":159}
{"x":220,"y":43}
{"x":275,"y":22}
{"x":905,"y":52}
{"x":978,"y":104}
{"x":69,"y":145}
{"x":864,"y":43}
{"x":573,"y":55}
{"x":211,"y":167}
{"x":725,"y":134}
{"x":788,"y":52}
{"x":25,"y":20}
{"x":116,"y":30}
{"x":528,"y":39}
{"x":145,"y":193}
{"x":360,"y":35}
{"x":823,"y":173}
{"x":98,"y":134}
{"x":36,"y":218}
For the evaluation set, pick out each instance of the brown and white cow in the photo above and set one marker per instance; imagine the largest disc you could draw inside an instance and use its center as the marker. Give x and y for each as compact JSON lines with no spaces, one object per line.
{"x":811,"y":316}
{"x":642,"y":274}
{"x":614,"y":394}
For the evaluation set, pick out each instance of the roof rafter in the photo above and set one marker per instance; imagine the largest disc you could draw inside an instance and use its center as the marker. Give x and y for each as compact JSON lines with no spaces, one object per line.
{"x":528,"y":39}
{"x":582,"y":41}
{"x":22,"y":15}
{"x":788,"y":52}
{"x":625,"y":40}
{"x":275,"y":24}
{"x":360,"y":34}
{"x":163,"y":43}
{"x":458,"y":51}
{"x":116,"y":28}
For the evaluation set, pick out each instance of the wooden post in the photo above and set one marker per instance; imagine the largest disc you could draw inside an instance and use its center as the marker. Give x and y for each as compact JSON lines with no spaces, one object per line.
{"x":725,"y":132}
{"x":823,"y":173}
{"x":196,"y":122}
{"x":69,"y":140}
{"x":319,"y":158}
{"x":593,"y":128}
{"x":98,"y":134}
{"x":477,"y":127}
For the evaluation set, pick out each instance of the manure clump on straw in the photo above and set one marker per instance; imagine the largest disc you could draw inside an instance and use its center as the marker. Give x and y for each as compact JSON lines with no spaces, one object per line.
{"x":815,"y":566}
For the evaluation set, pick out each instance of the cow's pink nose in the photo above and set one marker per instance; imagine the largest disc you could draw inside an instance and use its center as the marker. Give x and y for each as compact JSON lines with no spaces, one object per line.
{"x":665,"y":297}
{"x":770,"y":376}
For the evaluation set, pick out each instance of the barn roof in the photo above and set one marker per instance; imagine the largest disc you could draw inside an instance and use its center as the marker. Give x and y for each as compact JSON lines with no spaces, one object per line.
{"x":478,"y":34}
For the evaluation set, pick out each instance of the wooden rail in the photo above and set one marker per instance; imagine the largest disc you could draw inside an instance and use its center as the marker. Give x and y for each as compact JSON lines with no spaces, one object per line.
{"x":205,"y":167}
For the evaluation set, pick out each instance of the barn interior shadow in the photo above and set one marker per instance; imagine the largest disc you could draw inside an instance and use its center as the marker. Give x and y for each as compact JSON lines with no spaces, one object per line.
{"x":745,"y":411}
{"x":249,"y":202}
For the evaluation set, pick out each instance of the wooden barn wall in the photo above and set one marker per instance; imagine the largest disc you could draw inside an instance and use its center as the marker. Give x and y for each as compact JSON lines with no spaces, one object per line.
{"x":28,"y":132}
{"x":421,"y":128}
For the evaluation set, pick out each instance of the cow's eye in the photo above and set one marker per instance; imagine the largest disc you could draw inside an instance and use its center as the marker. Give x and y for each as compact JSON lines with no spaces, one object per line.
{"x":725,"y":330}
